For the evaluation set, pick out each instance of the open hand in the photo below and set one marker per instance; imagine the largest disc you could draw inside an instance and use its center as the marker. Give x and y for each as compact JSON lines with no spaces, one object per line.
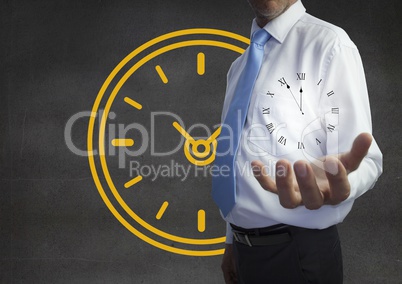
{"x":310,"y":185}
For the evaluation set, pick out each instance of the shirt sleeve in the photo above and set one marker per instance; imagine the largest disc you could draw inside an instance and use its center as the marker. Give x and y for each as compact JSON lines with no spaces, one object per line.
{"x":346,"y":111}
{"x":229,"y":234}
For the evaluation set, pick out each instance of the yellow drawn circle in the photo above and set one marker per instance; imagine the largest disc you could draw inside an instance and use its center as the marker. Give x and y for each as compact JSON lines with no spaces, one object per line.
{"x":191,"y":159}
{"x":102,"y":127}
{"x":204,"y":152}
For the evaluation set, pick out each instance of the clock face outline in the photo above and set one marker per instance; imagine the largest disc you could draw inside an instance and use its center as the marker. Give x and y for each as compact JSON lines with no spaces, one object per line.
{"x":287,"y":121}
{"x":150,"y":231}
{"x":279,"y":115}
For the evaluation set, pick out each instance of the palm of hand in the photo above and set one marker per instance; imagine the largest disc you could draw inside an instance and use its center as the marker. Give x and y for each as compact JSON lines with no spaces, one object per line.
{"x":311,"y":185}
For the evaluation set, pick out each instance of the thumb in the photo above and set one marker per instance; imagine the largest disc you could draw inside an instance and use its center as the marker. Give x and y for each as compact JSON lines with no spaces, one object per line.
{"x":352,"y":159}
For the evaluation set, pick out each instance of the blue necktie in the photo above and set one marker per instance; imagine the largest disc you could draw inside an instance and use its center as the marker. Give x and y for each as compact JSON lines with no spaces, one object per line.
{"x":224,"y":184}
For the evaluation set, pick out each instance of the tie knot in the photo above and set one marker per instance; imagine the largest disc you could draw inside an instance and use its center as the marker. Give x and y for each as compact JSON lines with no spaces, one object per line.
{"x":260,"y":37}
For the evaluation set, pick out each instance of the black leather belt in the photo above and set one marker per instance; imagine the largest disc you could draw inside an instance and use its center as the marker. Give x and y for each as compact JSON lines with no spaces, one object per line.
{"x":273,"y":235}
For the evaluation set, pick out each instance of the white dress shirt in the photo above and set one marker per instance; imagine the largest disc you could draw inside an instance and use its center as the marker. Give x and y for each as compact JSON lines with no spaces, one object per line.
{"x":309,"y":100}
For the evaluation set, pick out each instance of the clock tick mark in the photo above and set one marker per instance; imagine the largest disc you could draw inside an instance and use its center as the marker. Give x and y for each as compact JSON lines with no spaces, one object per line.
{"x":162,"y":210}
{"x":133,"y":181}
{"x":133,"y":103}
{"x":201,"y":221}
{"x":122,"y":142}
{"x":201,"y":63}
{"x":161,"y":74}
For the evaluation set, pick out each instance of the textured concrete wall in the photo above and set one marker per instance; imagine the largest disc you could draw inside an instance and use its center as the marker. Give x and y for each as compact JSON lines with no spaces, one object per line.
{"x":55,"y":55}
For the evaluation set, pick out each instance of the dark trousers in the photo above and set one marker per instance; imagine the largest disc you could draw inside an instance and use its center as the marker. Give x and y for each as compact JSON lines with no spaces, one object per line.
{"x":311,"y":256}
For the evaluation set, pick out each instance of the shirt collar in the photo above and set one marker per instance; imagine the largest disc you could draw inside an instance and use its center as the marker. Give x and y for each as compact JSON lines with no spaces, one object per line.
{"x":280,"y":26}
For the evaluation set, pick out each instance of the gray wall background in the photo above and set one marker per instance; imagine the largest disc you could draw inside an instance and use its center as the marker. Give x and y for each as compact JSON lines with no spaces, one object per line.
{"x":55,"y":55}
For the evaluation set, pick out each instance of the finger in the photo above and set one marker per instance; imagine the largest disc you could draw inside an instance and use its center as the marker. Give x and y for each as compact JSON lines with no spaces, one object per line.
{"x":262,"y":177}
{"x":288,"y":197}
{"x":311,"y":195}
{"x":339,"y":187}
{"x":352,"y":159}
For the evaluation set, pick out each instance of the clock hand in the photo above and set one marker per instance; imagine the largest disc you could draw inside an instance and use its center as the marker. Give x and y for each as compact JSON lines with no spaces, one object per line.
{"x":188,"y":136}
{"x":283,"y":82}
{"x":214,"y":135}
{"x":290,"y":90}
{"x":195,"y":143}
{"x":301,"y":100}
{"x":183,"y":132}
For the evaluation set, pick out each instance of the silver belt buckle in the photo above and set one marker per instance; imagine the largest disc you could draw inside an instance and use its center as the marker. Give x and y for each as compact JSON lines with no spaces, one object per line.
{"x":239,"y":235}
{"x":236,"y":237}
{"x":247,"y":240}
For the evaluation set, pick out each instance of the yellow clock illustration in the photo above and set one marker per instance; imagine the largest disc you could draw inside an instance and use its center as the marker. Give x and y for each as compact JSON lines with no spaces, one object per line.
{"x":152,"y":138}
